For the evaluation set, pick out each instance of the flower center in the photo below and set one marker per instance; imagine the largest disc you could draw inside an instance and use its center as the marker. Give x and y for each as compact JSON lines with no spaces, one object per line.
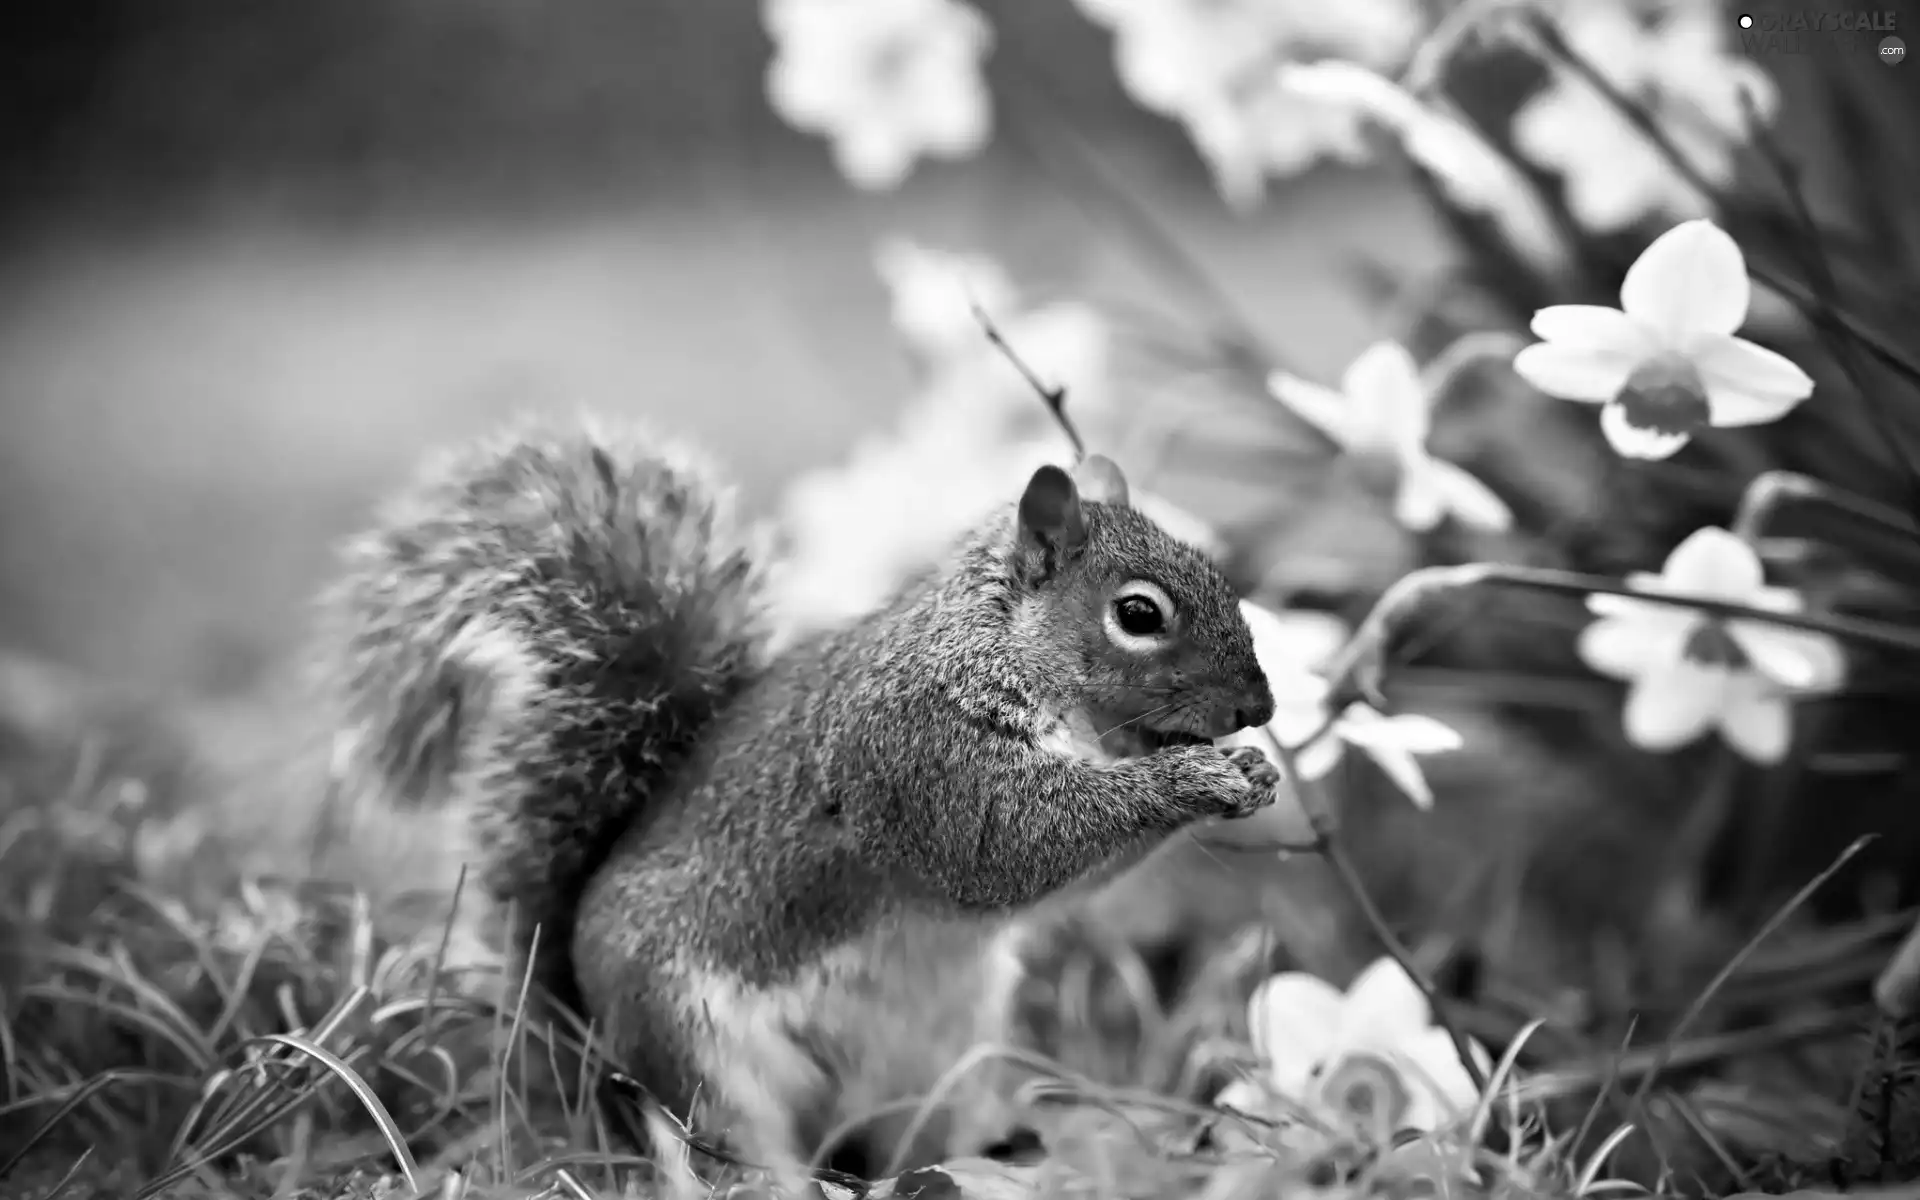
{"x":1376,"y":469}
{"x":893,"y":62}
{"x":1665,"y":395}
{"x":1369,"y":1091}
{"x":1710,"y":645}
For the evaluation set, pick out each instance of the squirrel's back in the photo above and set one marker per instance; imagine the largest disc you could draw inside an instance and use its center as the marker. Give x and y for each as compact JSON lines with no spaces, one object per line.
{"x":535,"y":634}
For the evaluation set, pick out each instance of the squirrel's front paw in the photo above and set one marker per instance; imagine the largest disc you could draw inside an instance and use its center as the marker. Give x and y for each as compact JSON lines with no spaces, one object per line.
{"x":1239,"y":781}
{"x":1262,"y":780}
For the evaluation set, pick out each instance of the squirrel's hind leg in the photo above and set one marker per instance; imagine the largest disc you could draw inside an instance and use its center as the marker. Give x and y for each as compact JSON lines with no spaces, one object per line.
{"x":767,"y":1078}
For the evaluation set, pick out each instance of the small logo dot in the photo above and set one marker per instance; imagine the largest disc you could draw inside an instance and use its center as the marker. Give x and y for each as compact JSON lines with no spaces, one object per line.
{"x":1746,"y":22}
{"x":1892,"y":50}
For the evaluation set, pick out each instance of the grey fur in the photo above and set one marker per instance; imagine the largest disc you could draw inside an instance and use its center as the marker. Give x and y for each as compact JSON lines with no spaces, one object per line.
{"x":563,"y":632}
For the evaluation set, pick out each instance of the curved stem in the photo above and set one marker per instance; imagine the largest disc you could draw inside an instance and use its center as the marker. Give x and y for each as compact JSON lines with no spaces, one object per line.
{"x":1464,"y":351}
{"x":1359,"y":665}
{"x":1329,"y":846}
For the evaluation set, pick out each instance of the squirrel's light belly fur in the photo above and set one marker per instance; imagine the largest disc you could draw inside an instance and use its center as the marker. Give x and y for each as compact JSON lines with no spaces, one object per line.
{"x":777,"y":884}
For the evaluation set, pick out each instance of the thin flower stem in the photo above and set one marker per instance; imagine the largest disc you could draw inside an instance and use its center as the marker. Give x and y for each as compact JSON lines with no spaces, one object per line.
{"x":1360,"y":664}
{"x":1464,"y":351}
{"x":1773,"y":491}
{"x":1327,"y":836}
{"x":1548,"y":36}
{"x":1675,"y":889}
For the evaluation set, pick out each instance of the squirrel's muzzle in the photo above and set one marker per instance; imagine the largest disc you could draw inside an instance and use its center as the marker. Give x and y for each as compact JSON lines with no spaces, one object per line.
{"x":1241,"y":708}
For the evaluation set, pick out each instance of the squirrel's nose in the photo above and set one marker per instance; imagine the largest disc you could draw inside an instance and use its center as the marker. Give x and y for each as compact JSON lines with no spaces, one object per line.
{"x":1258,"y":710}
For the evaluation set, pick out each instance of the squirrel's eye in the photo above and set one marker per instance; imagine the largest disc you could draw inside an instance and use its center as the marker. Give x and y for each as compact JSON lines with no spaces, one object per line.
{"x":1138,"y":616}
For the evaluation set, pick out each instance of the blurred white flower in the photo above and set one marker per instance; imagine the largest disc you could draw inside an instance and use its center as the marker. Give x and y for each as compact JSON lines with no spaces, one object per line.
{"x":1474,"y":175}
{"x":1290,"y":647}
{"x":1383,"y":411}
{"x":1267,"y":132}
{"x":886,"y":80}
{"x":966,"y":443}
{"x":1682,"y":72}
{"x":933,"y":292}
{"x":1691,"y":672}
{"x":1210,"y":65}
{"x":1369,"y":1060}
{"x":1666,"y":363}
{"x":1395,"y":743}
{"x":1181,"y":525}
{"x":909,"y":497}
{"x":976,"y":396}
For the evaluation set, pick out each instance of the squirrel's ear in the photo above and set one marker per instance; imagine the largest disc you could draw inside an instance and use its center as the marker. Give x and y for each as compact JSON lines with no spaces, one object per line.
{"x":1100,"y":481}
{"x":1051,"y":523}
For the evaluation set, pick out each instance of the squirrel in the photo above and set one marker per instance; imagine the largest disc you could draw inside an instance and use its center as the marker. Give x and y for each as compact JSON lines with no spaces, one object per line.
{"x":772,"y":876}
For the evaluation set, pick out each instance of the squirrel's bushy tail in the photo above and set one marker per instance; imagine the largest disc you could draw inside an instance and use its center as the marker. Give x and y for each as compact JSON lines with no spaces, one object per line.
{"x":535,"y":634}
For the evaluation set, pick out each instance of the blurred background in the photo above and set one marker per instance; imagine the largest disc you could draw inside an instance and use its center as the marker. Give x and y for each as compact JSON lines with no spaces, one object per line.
{"x":257,"y":254}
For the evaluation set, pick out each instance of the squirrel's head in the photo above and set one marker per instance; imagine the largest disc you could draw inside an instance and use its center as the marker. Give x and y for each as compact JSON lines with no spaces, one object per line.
{"x":1142,"y":634}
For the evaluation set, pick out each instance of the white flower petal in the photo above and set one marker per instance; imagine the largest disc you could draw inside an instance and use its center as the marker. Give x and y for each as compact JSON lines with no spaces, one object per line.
{"x":1383,"y":1005}
{"x":1311,"y":637}
{"x":1392,"y":742}
{"x":1606,"y":604}
{"x":1631,"y":441}
{"x":1712,"y":563}
{"x":953,"y":121}
{"x":933,"y":292}
{"x":1319,"y":757}
{"x":1245,"y":1096}
{"x":1283,"y":645}
{"x":1692,"y":279}
{"x":1587,"y":376}
{"x":1417,"y":733}
{"x":1794,"y":659}
{"x":1674,"y":704}
{"x":1431,"y":1063}
{"x":1295,"y":1021}
{"x":1756,"y":719}
{"x":1322,"y":407}
{"x":1594,"y":327}
{"x":1404,"y":770}
{"x":1747,"y":384}
{"x":1472,"y":502}
{"x":873,"y":156}
{"x":1418,"y":503}
{"x":1627,"y":648}
{"x":1383,"y":385}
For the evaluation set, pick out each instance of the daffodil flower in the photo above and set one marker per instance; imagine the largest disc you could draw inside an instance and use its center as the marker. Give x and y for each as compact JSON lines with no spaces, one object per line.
{"x":1680,"y":70}
{"x":1207,"y":64}
{"x":1691,"y":672}
{"x":1383,"y":412}
{"x":1290,"y":646}
{"x":886,"y":80}
{"x":1368,"y":1060}
{"x":1666,"y":363}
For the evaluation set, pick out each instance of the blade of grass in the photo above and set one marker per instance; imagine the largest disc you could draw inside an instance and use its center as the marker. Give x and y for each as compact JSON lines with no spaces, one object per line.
{"x":1720,"y":978}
